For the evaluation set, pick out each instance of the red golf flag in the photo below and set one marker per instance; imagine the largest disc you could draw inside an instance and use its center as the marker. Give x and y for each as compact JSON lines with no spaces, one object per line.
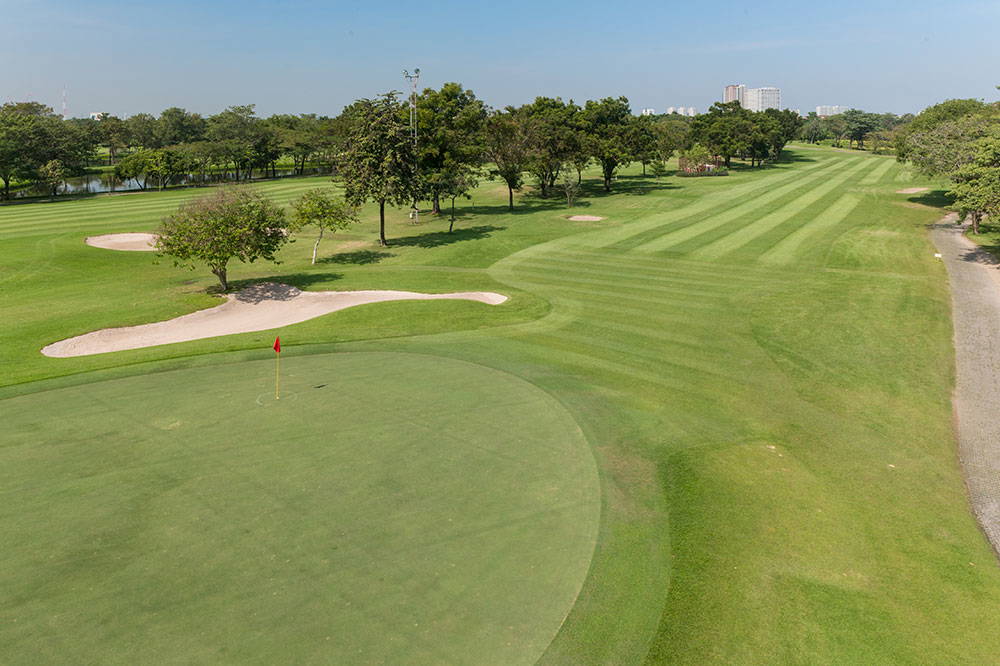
{"x":277,"y":345}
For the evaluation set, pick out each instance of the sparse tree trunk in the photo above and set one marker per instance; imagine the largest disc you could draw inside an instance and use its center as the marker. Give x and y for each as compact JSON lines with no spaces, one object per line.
{"x":6,"y":188}
{"x":381,"y":223}
{"x":221,"y":274}
{"x":644,"y":169}
{"x":452,"y":224}
{"x":436,"y":206}
{"x":316,"y":244}
{"x":510,"y":197}
{"x":976,"y":217}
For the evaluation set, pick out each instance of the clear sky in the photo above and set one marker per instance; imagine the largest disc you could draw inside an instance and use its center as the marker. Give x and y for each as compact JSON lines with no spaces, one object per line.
{"x":297,"y":57}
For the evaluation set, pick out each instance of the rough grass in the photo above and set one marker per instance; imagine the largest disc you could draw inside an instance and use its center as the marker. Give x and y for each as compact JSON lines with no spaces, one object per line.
{"x":761,"y":364}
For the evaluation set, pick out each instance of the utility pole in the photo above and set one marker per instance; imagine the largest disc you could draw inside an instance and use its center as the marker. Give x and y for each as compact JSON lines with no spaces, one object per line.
{"x":414,"y":79}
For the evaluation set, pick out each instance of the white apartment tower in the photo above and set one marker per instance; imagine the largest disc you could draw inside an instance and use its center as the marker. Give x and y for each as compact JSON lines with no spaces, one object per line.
{"x":759,"y":99}
{"x":827,"y":110}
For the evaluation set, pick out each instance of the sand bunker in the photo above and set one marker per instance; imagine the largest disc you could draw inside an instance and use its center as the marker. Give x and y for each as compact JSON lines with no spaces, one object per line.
{"x":912,"y":190}
{"x":132,"y":242}
{"x":256,"y":308}
{"x":585,"y":218}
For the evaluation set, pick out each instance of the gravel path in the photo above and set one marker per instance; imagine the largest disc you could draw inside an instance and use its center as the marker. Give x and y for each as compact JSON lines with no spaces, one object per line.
{"x":974,"y":275}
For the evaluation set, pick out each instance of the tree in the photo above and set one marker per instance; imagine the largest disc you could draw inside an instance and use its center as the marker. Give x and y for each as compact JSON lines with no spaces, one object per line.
{"x":671,"y":133}
{"x":725,"y":130}
{"x":378,"y":162}
{"x":942,"y":149}
{"x":605,"y":124}
{"x":321,"y":209}
{"x":176,"y":125}
{"x":142,"y":130}
{"x":814,"y":131}
{"x":571,"y":188}
{"x":552,"y":127}
{"x":114,"y":134}
{"x":19,"y":144}
{"x":659,"y":169}
{"x":642,"y":140}
{"x":976,"y":188}
{"x":53,"y":174}
{"x":457,"y":182}
{"x":449,"y":126}
{"x":230,"y":223}
{"x":507,"y":144}
{"x":234,"y":131}
{"x":859,"y":124}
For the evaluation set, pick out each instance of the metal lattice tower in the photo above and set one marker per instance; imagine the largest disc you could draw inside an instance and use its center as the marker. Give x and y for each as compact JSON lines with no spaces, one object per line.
{"x":414,"y":79}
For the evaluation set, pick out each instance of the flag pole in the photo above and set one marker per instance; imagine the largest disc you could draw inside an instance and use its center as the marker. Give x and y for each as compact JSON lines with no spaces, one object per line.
{"x":277,"y":368}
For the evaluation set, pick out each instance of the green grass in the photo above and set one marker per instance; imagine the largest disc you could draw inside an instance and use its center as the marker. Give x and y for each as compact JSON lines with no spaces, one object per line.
{"x":761,"y":366}
{"x":357,"y":518}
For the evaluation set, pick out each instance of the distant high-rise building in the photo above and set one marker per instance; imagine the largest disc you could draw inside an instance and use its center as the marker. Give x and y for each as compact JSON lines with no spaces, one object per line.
{"x":671,"y":109}
{"x":648,"y":112}
{"x":691,"y":111}
{"x":827,"y":110}
{"x":735,"y":93}
{"x":759,"y":99}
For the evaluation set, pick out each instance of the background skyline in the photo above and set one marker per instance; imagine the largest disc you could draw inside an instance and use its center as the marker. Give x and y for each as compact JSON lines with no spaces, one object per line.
{"x":314,"y":57}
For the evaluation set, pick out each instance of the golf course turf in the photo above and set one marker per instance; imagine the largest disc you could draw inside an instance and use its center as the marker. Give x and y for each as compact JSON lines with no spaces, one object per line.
{"x":760,"y":365}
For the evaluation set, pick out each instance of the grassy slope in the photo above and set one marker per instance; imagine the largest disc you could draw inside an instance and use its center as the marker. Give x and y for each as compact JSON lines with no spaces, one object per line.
{"x":762,"y":363}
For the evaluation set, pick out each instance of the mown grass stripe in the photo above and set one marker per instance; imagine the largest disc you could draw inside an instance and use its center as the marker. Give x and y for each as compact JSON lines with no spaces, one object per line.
{"x":711,"y":222}
{"x":876,"y":175}
{"x":694,"y":215}
{"x":786,"y":251}
{"x":708,"y":201}
{"x":787,"y":212}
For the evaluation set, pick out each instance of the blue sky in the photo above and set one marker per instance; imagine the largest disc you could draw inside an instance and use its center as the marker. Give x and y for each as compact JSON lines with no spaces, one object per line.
{"x":293,"y":57}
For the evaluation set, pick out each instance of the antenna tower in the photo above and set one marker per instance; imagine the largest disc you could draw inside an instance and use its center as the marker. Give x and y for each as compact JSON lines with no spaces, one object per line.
{"x":65,"y":107}
{"x":414,"y":79}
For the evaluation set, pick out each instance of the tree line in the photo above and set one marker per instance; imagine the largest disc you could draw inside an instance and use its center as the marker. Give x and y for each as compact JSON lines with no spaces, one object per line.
{"x":459,"y":140}
{"x":855,"y":127}
{"x":959,"y":140}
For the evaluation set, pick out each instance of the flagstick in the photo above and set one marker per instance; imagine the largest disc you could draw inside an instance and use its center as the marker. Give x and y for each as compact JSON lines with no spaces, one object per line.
{"x":277,"y":375}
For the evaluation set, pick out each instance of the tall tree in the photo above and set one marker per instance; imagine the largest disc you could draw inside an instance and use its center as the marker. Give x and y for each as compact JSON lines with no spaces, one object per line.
{"x":378,"y":161}
{"x":859,"y":125}
{"x":555,"y":140}
{"x":642,"y":140}
{"x":725,"y":130}
{"x":142,"y":130}
{"x":449,"y":128}
{"x":176,"y":125}
{"x":976,"y":189}
{"x":606,"y":126}
{"x":230,"y":223}
{"x":507,"y":144}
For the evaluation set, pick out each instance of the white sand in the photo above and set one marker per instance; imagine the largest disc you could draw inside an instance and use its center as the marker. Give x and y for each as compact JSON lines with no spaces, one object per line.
{"x":585,"y":218}
{"x":912,"y":190}
{"x":131,"y":242}
{"x":257,"y":308}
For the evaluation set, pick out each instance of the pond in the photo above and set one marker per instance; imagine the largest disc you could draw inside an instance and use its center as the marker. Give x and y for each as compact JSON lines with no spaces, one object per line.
{"x":106,"y":182}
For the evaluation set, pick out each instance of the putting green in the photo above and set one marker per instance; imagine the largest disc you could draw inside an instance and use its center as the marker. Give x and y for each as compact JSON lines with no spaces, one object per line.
{"x":390,"y":507}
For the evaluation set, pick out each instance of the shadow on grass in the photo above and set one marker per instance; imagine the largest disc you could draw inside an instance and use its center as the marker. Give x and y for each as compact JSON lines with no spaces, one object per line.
{"x":359,"y":257}
{"x":439,"y":238}
{"x":632,"y":185}
{"x":934,"y":198}
{"x":300,"y":280}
